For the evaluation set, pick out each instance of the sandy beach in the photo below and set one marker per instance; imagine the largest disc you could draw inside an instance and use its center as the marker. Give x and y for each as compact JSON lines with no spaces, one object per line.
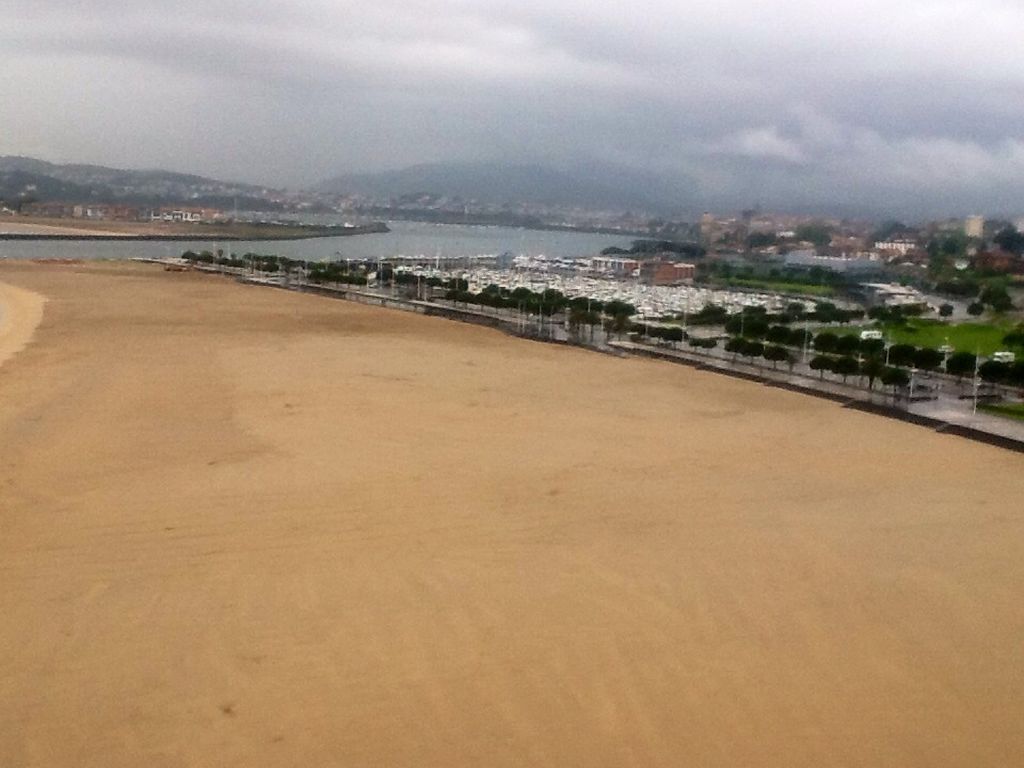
{"x":9,"y":227}
{"x":247,"y":527}
{"x":31,"y":227}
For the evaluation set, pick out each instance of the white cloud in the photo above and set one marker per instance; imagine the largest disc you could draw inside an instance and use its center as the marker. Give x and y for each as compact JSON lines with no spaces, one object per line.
{"x":764,"y":142}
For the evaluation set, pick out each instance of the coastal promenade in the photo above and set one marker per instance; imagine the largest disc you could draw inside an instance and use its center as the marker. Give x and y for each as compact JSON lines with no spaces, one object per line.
{"x":940,"y":411}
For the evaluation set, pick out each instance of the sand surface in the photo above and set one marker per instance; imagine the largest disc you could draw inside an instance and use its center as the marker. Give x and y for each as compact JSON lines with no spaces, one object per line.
{"x":244,"y":527}
{"x":9,"y":227}
{"x":20,"y":314}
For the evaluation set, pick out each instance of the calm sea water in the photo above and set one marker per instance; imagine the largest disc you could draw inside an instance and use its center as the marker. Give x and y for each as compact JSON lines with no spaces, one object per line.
{"x":406,"y":238}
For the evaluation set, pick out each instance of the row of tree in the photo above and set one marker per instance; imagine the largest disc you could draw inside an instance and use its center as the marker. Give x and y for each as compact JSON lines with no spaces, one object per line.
{"x":995,"y":372}
{"x":652,"y":247}
{"x":753,"y":327}
{"x":776,"y":353}
{"x":755,"y":321}
{"x":670,"y":333}
{"x":548,"y":302}
{"x":992,"y":293}
{"x":847,"y":355}
{"x":871,"y":368}
{"x":723,"y":270}
{"x":254,"y":261}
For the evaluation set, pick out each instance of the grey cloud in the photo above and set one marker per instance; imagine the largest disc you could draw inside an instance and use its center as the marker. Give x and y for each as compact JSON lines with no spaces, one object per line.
{"x":795,"y":102}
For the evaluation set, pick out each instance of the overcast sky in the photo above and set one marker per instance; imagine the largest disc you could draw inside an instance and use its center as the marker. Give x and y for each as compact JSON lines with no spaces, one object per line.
{"x":914,"y":104}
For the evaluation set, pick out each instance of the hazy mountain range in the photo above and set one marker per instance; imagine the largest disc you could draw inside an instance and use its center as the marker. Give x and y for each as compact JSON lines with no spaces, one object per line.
{"x":590,"y":187}
{"x":28,"y":178}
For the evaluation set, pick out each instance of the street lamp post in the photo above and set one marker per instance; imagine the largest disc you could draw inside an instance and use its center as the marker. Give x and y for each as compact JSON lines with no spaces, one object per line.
{"x":976,"y":368}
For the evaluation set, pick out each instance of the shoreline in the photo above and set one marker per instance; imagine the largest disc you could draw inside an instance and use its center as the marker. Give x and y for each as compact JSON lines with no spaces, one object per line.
{"x":56,"y":230}
{"x":171,"y":238}
{"x":21,"y":311}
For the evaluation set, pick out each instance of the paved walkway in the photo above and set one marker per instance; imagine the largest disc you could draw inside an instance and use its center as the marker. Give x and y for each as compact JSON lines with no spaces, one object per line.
{"x":945,"y":408}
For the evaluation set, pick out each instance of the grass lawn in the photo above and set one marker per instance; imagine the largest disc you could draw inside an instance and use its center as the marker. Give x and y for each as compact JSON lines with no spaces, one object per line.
{"x":965,"y":337}
{"x":1010,"y":411}
{"x":779,"y":286}
{"x":985,"y":338}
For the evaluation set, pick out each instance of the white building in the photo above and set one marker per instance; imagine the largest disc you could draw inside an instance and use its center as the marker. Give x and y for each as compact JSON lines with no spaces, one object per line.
{"x":808,"y":258}
{"x":900,"y":245}
{"x":975,"y":226}
{"x":892,"y":294}
{"x":616,"y":267}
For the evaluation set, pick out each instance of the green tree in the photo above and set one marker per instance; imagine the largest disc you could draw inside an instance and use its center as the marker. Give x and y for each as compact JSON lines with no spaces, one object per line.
{"x":847,"y":345}
{"x":895,"y":378}
{"x":760,"y":239}
{"x":872,"y":347}
{"x":798,"y":337}
{"x":902,"y":354}
{"x":735,"y":345}
{"x":959,"y":286}
{"x":960,"y":364}
{"x":845,"y":366}
{"x":577,"y":318}
{"x":778,"y":334}
{"x":1015,"y":338}
{"x":955,"y":244}
{"x":927,"y":359}
{"x":1015,"y":375}
{"x":619,"y":324}
{"x":816,"y":232}
{"x":994,"y":372}
{"x":825,"y":342}
{"x":872,"y":368}
{"x":755,"y":327}
{"x":776,"y":354}
{"x":827,"y":312}
{"x":996,"y":297}
{"x":821,"y":363}
{"x":1009,"y":239}
{"x":615,"y":307}
{"x":752,"y":349}
{"x":673,"y":334}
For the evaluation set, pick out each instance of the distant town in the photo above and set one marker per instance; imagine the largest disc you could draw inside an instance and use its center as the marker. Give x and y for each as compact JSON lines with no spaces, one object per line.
{"x":957,"y":267}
